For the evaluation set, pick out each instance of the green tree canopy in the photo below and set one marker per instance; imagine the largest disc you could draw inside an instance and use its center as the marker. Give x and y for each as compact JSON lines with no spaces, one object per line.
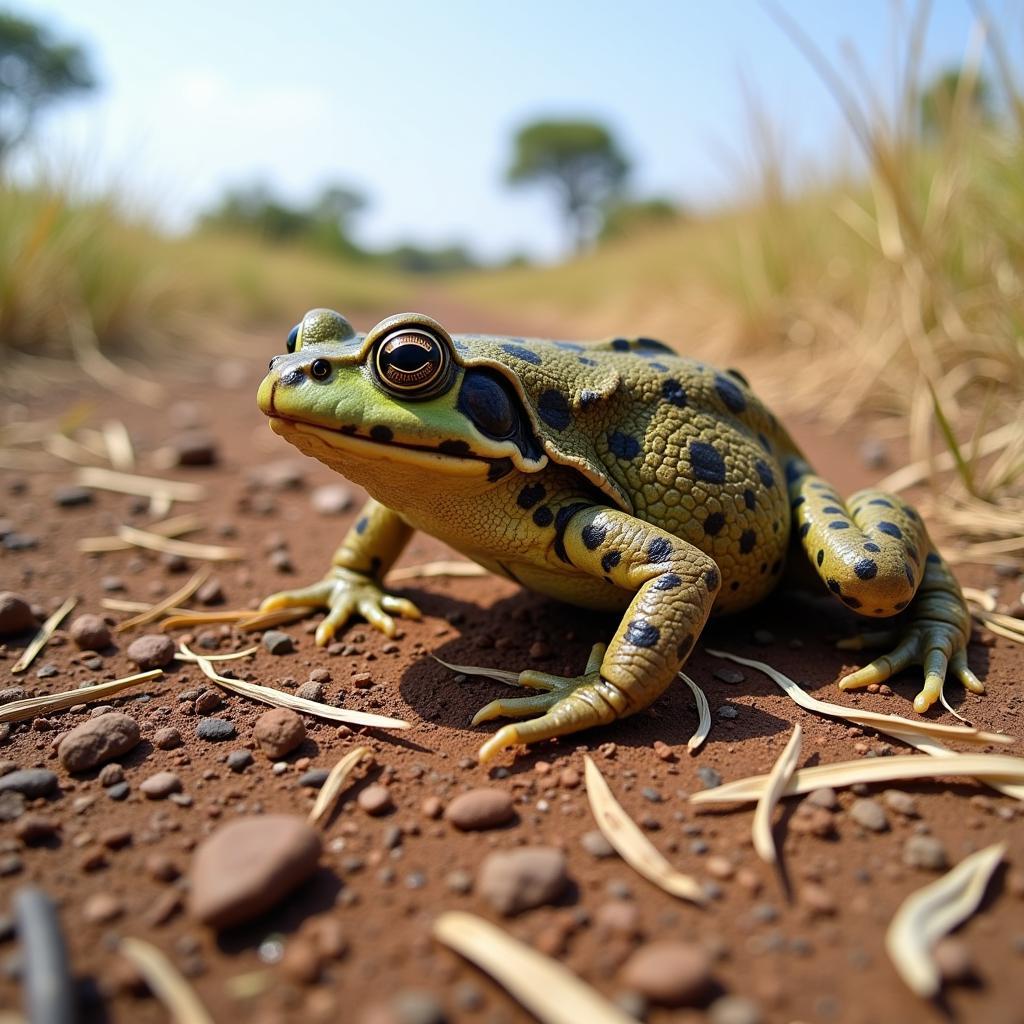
{"x":939,"y":101}
{"x":581,"y":161}
{"x":36,"y":71}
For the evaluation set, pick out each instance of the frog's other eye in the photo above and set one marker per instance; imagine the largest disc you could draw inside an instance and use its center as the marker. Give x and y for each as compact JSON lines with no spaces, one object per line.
{"x":486,"y":401}
{"x":412,"y":363}
{"x":320,"y":369}
{"x":293,"y":338}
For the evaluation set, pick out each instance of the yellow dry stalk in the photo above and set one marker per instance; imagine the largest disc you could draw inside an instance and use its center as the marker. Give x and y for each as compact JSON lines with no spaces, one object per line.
{"x":154,"y":542}
{"x":933,"y":911}
{"x":175,"y":527}
{"x":42,"y":638}
{"x":119,"y":447}
{"x":30,"y":707}
{"x":154,"y":612}
{"x":129,"y":483}
{"x":330,"y":791}
{"x":631,"y":844}
{"x":778,"y":779}
{"x":167,"y":984}
{"x":499,"y":675}
{"x":277,"y":698}
{"x":428,"y":569}
{"x":703,"y":714}
{"x":551,"y":992}
{"x":983,"y":767}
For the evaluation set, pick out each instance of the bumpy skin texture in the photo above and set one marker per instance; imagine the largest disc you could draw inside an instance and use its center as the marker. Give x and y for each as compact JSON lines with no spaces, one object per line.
{"x":632,"y":478}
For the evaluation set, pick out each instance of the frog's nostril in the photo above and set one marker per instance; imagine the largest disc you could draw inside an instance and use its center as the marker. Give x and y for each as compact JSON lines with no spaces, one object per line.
{"x":293,"y":376}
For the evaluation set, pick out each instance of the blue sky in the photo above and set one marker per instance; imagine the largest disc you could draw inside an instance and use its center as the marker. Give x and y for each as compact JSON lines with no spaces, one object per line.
{"x":416,"y":103}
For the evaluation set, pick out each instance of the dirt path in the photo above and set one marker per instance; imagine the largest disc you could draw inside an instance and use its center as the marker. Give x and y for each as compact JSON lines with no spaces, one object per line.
{"x":112,"y":863}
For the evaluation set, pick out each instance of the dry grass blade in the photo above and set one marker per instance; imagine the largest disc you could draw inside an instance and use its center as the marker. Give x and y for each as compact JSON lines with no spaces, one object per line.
{"x":233,"y":656}
{"x":427,"y":569}
{"x":778,"y":779}
{"x":497,"y":674}
{"x":256,"y":621}
{"x":175,"y":527}
{"x":931,"y":912}
{"x":68,"y":450}
{"x":890,"y":724}
{"x":30,"y":707}
{"x":631,"y":844}
{"x":117,"y":604}
{"x":277,"y":698}
{"x":166,"y":983}
{"x":154,"y":542}
{"x":118,"y":443}
{"x":40,"y":640}
{"x":998,"y":767}
{"x":330,"y":791}
{"x":552,"y":993}
{"x":178,"y":597}
{"x":129,"y":483}
{"x":703,"y":712}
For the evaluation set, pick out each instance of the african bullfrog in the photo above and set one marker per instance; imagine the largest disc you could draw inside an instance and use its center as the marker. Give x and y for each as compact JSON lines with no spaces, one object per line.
{"x":616,"y":476}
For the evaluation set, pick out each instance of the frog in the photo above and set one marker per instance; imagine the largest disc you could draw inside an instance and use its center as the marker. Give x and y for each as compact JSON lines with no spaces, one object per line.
{"x":619,"y":476}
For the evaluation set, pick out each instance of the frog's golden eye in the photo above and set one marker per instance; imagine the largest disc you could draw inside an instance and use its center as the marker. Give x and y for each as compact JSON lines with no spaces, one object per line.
{"x":412,"y":363}
{"x":293,"y":338}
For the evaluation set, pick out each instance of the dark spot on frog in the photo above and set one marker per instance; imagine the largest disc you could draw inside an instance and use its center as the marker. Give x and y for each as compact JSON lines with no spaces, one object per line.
{"x":747,"y":541}
{"x":708,"y":465}
{"x":622,"y":445}
{"x":660,"y":367}
{"x":584,"y":361}
{"x":620,"y":345}
{"x":734,"y":586}
{"x":293,"y":376}
{"x":382,"y":434}
{"x":730,"y":395}
{"x":833,"y":510}
{"x":593,"y":535}
{"x":569,"y":346}
{"x":909,"y":573}
{"x":530,"y":495}
{"x":658,"y":550}
{"x":749,"y":500}
{"x":653,"y":345}
{"x":683,"y":649}
{"x":499,"y":468}
{"x":821,"y":556}
{"x":839,"y":524}
{"x":884,"y":502}
{"x":797,"y":502}
{"x":543,"y":516}
{"x":457,"y":448}
{"x":764,"y":473}
{"x":711,"y":579}
{"x":872,"y":547}
{"x":610,"y":560}
{"x":364,"y":521}
{"x":522,"y":353}
{"x":348,"y":428}
{"x":805,"y":528}
{"x":667,"y":581}
{"x":714,"y":523}
{"x":851,"y":602}
{"x":674,"y":393}
{"x":890,"y":528}
{"x":834,"y":585}
{"x":642,"y":634}
{"x":588,"y":398}
{"x":562,"y":517}
{"x":866,"y":569}
{"x":553,"y":409}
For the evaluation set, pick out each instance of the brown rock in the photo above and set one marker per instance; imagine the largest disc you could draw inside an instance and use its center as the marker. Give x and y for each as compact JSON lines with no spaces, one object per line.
{"x":15,"y":614}
{"x":376,"y":800}
{"x":154,"y":650}
{"x":279,"y":731}
{"x":669,"y":973}
{"x":102,"y":907}
{"x":618,"y":917}
{"x":161,"y":785}
{"x":98,"y":740}
{"x":812,"y":820}
{"x":516,"y":880}
{"x":248,"y":866}
{"x":480,"y":809}
{"x":167,"y":738}
{"x":953,"y":959}
{"x":90,"y":633}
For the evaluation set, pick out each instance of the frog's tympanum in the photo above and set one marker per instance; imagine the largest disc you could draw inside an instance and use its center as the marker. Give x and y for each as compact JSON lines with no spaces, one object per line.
{"x":616,"y":476}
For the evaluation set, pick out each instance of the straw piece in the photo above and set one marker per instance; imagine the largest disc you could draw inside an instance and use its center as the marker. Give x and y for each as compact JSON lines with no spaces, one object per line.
{"x":42,"y":638}
{"x":1000,"y":767}
{"x":119,"y":446}
{"x":130,"y":483}
{"x":256,"y":621}
{"x":30,"y":707}
{"x":330,"y":791}
{"x":427,"y":569}
{"x":179,"y":596}
{"x":117,"y":604}
{"x":154,"y":542}
{"x":703,"y":711}
{"x":166,"y":528}
{"x":552,"y":993}
{"x":497,"y":674}
{"x":167,"y":984}
{"x":631,"y":844}
{"x":778,"y":777}
{"x":934,"y":910}
{"x":278,"y":698}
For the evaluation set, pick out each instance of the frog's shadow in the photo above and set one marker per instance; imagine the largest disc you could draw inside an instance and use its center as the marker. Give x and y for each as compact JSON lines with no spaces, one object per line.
{"x":501,"y":635}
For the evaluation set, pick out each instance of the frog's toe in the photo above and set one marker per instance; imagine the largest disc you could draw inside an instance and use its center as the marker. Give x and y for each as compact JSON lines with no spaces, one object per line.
{"x":516,"y":707}
{"x":317,"y":595}
{"x":883,"y":668}
{"x":967,"y":678}
{"x":400,"y":606}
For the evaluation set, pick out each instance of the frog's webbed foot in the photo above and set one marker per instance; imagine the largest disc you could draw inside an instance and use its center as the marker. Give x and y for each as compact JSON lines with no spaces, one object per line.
{"x":565,"y":704}
{"x":345,"y":593}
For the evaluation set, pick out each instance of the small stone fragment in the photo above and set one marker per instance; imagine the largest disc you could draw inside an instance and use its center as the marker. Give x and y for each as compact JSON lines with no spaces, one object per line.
{"x":817,"y":899}
{"x":900,"y":802}
{"x":729,"y":675}
{"x":154,"y":650}
{"x":279,"y":731}
{"x":311,"y":691}
{"x":33,"y":829}
{"x":211,"y":592}
{"x":734,"y":1010}
{"x":480,"y":809}
{"x":669,"y":973}
{"x":516,"y":880}
{"x":167,"y":738}
{"x":90,"y":633}
{"x":314,"y":778}
{"x":809,"y":819}
{"x":376,"y":800}
{"x":194,"y":448}
{"x":277,"y":642}
{"x":12,"y":805}
{"x":161,"y":785}
{"x":953,"y":959}
{"x":709,"y":777}
{"x":596,"y":845}
{"x":71,"y":496}
{"x":925,"y":852}
{"x":102,"y":908}
{"x":823,"y":797}
{"x":215,"y":730}
{"x":618,"y":917}
{"x":249,"y":865}
{"x":15,"y":614}
{"x":98,"y":740}
{"x":331,"y":499}
{"x":30,"y":782}
{"x":207,"y":701}
{"x":869,"y":814}
{"x":239,"y":760}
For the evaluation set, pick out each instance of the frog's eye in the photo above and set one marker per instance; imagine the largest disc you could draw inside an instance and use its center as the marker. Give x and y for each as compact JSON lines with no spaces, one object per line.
{"x":320,"y":369}
{"x":412,"y":363}
{"x":293,"y":338}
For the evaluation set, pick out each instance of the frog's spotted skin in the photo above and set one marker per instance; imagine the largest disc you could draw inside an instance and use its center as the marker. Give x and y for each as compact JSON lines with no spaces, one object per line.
{"x":616,"y":475}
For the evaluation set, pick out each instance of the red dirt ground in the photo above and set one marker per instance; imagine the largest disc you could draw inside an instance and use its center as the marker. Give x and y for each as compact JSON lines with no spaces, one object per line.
{"x":814,"y":959}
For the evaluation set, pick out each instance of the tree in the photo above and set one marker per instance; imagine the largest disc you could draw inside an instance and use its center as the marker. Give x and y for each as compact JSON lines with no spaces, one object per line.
{"x":953,"y":93}
{"x":36,"y":71}
{"x":630,"y":217}
{"x":582,"y":162}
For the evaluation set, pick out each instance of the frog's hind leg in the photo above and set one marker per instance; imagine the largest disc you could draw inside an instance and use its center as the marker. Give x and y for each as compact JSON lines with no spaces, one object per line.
{"x":874,"y":554}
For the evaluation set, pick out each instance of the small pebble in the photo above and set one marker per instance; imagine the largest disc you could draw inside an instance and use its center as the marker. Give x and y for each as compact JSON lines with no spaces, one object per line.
{"x":669,"y":973}
{"x":215,"y":730}
{"x":314,"y":778}
{"x":90,"y":633}
{"x":211,"y":592}
{"x":277,"y":642}
{"x":709,"y":777}
{"x":279,"y":731}
{"x":102,"y":908}
{"x":823,"y":797}
{"x":33,"y":829}
{"x":31,"y":783}
{"x":869,"y":814}
{"x":207,"y":702}
{"x":154,"y":650}
{"x":331,"y":499}
{"x":480,"y":809}
{"x":900,"y":802}
{"x":375,"y":800}
{"x":512,"y":881}
{"x":596,"y":845}
{"x":734,"y":1010}
{"x":15,"y":614}
{"x":98,"y":740}
{"x":194,"y":448}
{"x":239,"y":760}
{"x":71,"y":497}
{"x":161,"y":785}
{"x":925,"y":852}
{"x":311,"y":691}
{"x":167,"y":738}
{"x":952,"y":956}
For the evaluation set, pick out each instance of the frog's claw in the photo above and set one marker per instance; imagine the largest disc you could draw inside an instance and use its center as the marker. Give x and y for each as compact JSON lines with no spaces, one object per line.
{"x":345,"y":593}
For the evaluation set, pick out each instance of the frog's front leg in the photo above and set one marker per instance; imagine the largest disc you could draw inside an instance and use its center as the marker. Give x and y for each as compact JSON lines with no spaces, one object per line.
{"x":352,"y":585}
{"x":675,"y":585}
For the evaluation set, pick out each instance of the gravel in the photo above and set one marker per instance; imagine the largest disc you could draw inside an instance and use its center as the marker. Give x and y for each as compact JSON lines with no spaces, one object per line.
{"x":277,"y":642}
{"x":29,"y":782}
{"x":98,"y":740}
{"x":480,"y":809}
{"x":669,"y":973}
{"x":161,"y":785}
{"x":90,"y":633}
{"x":279,"y":731}
{"x":15,"y":614}
{"x":154,"y":650}
{"x":215,"y":730}
{"x":925,"y":852}
{"x":869,"y":814}
{"x":516,"y":880}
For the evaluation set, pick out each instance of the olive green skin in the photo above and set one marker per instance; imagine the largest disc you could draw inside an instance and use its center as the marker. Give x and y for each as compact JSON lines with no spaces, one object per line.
{"x":640,"y":479}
